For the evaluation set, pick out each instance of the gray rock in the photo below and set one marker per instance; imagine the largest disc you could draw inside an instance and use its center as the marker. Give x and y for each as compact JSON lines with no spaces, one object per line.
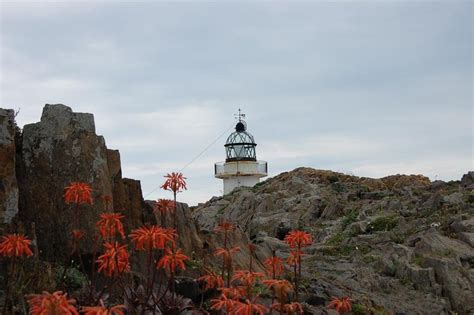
{"x":434,"y":202}
{"x":9,"y":192}
{"x":463,"y":226}
{"x":467,"y":238}
{"x":333,"y":211}
{"x":437,"y":184}
{"x":467,"y":179}
{"x":454,"y":198}
{"x":59,"y":149}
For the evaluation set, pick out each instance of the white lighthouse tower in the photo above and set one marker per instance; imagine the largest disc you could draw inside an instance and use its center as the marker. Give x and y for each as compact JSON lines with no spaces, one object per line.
{"x":241,"y":167}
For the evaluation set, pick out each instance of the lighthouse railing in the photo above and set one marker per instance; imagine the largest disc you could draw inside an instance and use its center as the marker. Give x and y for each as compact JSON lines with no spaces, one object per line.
{"x":262,"y":167}
{"x":240,"y":168}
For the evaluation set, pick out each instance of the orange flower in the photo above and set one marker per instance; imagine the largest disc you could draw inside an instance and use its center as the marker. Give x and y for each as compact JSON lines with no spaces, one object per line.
{"x":110,"y":224}
{"x":51,"y":304}
{"x":295,"y":257}
{"x":226,"y":253}
{"x":15,"y":245}
{"x":115,"y":259}
{"x":247,"y":278}
{"x":274,"y":266}
{"x":212,"y":281}
{"x":165,"y":206}
{"x":102,"y":310}
{"x":233,"y":292}
{"x":175,"y":182}
{"x":290,"y":309}
{"x":172,"y":260}
{"x":298,"y":239}
{"x":78,"y":193}
{"x":250,"y":308}
{"x":153,"y":237}
{"x":223,"y":303}
{"x":342,"y":305}
{"x":224,"y":226}
{"x":281,"y":288}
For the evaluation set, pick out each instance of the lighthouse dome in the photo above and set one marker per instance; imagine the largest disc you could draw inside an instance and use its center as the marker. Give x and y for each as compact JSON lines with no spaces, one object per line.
{"x":240,"y":145}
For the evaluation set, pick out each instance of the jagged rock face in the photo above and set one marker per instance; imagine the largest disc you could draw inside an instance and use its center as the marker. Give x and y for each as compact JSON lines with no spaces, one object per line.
{"x":8,"y":182}
{"x":63,"y":148}
{"x":400,"y":243}
{"x":60,"y":149}
{"x":127,"y":193}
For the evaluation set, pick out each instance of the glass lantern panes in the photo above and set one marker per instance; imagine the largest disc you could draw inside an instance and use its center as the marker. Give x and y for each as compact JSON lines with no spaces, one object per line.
{"x":240,"y":146}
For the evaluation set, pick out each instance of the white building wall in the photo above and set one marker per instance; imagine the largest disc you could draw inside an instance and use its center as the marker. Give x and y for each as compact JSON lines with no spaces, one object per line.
{"x":238,"y":181}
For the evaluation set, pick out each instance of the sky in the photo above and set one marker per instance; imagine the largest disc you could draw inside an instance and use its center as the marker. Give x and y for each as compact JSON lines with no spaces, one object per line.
{"x":369,"y":88}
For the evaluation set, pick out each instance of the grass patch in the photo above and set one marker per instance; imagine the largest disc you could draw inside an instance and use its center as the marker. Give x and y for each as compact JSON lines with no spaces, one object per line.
{"x":368,"y":259}
{"x":359,"y":309}
{"x":350,"y":218}
{"x":338,"y":187}
{"x":333,"y":178}
{"x":387,"y":223}
{"x":73,"y":279}
{"x":336,"y":239}
{"x":419,"y":260}
{"x":398,"y":238}
{"x":342,"y":250}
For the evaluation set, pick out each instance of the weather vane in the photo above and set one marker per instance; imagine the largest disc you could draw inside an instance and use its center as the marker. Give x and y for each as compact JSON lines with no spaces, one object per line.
{"x":239,"y":115}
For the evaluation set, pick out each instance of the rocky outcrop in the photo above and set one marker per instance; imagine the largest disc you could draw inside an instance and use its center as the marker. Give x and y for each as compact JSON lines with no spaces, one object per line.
{"x":8,"y":182}
{"x":127,"y":193}
{"x":398,"y":244}
{"x":61,"y":148}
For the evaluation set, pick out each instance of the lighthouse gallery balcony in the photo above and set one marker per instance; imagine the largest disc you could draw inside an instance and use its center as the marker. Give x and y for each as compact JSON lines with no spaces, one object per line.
{"x":240,"y":168}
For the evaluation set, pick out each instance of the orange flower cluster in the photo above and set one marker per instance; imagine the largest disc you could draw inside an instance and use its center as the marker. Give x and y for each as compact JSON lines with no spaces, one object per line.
{"x":281,"y":288}
{"x":165,"y":206}
{"x":290,"y":308}
{"x":114,"y":260}
{"x":152,"y":237}
{"x":102,"y":310}
{"x":223,"y":303}
{"x":78,"y":193}
{"x":247,"y":278}
{"x":274,"y":266}
{"x":175,"y":182}
{"x":173,"y":258}
{"x":295,"y":257}
{"x":298,"y":239}
{"x":235,"y":307}
{"x":55,"y":303}
{"x":249,"y":308}
{"x":15,"y":245}
{"x":342,"y":305}
{"x":110,"y":224}
{"x":212,"y":281}
{"x":227,"y":253}
{"x":224,"y":226}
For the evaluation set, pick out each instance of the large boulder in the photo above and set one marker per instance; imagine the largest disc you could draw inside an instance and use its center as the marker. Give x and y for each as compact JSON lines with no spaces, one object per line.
{"x":63,"y":148}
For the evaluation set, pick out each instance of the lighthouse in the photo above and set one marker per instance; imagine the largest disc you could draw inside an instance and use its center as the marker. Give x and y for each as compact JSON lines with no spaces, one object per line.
{"x":241,"y":167}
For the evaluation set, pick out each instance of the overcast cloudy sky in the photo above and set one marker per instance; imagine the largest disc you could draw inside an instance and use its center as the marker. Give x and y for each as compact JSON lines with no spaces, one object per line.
{"x":369,"y":88}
